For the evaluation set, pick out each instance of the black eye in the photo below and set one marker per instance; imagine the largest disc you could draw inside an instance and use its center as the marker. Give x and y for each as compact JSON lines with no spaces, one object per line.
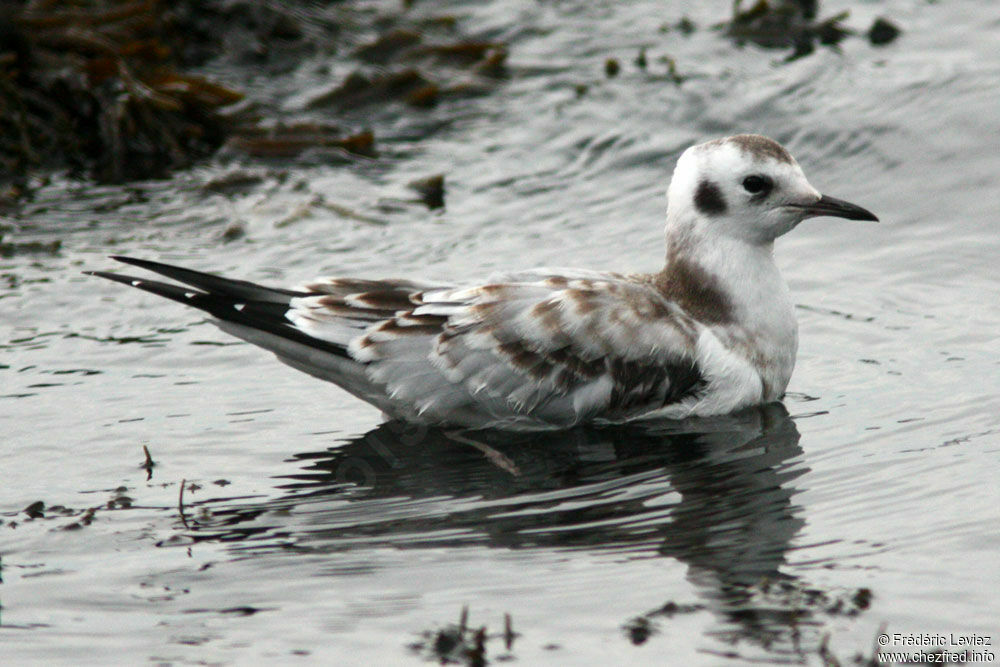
{"x":757,"y":185}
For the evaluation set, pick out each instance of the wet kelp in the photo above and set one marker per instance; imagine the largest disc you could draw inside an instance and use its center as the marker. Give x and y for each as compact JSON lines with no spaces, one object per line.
{"x":95,"y":86}
{"x":460,"y":644}
{"x":105,"y":87}
{"x":796,"y":25}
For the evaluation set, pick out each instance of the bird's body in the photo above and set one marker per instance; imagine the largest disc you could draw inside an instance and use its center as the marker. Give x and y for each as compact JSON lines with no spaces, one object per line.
{"x":713,"y":332}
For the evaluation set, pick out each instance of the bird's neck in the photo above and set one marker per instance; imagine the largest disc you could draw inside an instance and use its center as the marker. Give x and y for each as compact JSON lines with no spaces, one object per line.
{"x":736,"y":290}
{"x":722,"y":280}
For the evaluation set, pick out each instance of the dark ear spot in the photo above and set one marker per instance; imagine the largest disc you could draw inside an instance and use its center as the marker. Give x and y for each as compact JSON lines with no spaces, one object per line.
{"x":708,"y":199}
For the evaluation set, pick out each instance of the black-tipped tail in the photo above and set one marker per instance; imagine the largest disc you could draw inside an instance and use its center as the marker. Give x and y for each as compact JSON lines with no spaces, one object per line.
{"x":238,"y":301}
{"x":240,"y":289}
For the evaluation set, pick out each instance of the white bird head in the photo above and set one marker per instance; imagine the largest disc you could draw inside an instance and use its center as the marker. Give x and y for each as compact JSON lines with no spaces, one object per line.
{"x":747,"y":187}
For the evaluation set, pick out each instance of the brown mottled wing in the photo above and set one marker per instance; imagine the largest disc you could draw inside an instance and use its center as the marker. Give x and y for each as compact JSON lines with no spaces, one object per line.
{"x":536,"y":348}
{"x":340,"y":309}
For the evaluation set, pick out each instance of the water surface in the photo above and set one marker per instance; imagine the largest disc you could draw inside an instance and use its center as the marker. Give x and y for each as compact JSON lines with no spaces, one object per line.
{"x":311,"y":531}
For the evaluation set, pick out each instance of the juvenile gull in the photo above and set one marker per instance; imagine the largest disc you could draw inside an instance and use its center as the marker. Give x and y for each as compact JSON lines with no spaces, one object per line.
{"x":713,"y":332}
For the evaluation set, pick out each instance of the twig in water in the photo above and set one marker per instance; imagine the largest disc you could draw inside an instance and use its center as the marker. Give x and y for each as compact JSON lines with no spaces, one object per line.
{"x":180,"y":504}
{"x":148,"y":464}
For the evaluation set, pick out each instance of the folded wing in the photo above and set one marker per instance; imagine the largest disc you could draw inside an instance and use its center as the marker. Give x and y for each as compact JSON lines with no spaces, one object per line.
{"x":534,"y":348}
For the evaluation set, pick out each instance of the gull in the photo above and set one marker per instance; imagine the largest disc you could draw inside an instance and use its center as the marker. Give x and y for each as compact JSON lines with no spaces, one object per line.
{"x":713,"y":332}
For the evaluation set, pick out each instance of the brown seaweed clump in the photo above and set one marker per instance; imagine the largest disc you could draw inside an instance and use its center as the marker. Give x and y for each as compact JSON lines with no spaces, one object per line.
{"x":404,"y":67}
{"x":103,"y":87}
{"x":462,"y":645}
{"x":782,"y":24}
{"x":93,"y":86}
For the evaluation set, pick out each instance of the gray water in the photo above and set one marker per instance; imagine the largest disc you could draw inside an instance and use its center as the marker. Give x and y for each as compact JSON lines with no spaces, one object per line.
{"x":311,"y":532}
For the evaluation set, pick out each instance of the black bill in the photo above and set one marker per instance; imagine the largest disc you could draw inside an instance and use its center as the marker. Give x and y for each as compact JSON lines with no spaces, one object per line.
{"x":837,"y":208}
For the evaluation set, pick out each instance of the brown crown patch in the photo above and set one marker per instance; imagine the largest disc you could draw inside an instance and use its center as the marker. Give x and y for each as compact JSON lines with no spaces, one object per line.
{"x":762,"y":147}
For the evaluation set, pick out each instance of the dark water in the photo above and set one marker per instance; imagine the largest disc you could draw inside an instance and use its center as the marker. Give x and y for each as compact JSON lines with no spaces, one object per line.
{"x":313,"y":532}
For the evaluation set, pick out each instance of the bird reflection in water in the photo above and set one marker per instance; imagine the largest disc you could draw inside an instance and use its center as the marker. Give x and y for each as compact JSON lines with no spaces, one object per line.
{"x":714,"y":494}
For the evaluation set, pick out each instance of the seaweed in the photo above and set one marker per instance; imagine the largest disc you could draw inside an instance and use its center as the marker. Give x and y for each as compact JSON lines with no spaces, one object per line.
{"x":416,"y":73}
{"x":105,"y":88}
{"x":794,"y":24}
{"x":460,"y":644}
{"x":92,"y":85}
{"x":883,"y":31}
{"x":283,"y":141}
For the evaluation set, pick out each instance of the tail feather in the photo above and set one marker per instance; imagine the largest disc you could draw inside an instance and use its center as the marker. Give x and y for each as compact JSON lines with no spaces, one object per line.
{"x":239,"y":289}
{"x":240,"y":302}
